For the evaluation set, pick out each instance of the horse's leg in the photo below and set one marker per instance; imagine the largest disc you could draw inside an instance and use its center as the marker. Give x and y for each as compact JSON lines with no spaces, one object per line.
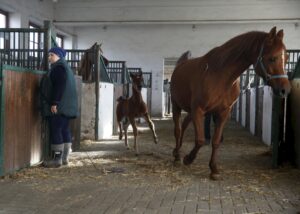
{"x":125,"y":128}
{"x":198,"y":121}
{"x":215,"y":120}
{"x":207,"y":120}
{"x":120,"y":130}
{"x":151,"y":126}
{"x":177,"y":130}
{"x":119,"y":119}
{"x":184,"y":125}
{"x":219,"y":126}
{"x":132,"y":122}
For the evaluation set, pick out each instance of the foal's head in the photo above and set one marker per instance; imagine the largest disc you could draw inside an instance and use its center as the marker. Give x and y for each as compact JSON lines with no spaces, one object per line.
{"x":270,"y":64}
{"x":137,"y":80}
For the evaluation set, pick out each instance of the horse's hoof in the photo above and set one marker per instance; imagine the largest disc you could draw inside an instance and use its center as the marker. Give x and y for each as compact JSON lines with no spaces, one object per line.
{"x":177,"y":163}
{"x":177,"y":158}
{"x":187,"y":160}
{"x":215,"y":176}
{"x":176,"y":153}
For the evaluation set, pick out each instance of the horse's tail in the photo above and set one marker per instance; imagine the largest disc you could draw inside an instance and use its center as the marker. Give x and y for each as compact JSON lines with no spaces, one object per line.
{"x":185,"y":56}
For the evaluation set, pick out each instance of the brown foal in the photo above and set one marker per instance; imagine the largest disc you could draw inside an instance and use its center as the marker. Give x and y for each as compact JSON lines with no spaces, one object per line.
{"x":131,"y":108}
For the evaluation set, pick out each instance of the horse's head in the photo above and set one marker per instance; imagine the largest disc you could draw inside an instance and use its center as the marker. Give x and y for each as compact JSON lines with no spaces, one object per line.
{"x":271,"y":61}
{"x":137,"y":79}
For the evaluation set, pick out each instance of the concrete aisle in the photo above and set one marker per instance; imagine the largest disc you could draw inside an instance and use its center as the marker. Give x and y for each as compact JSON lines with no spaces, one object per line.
{"x":106,"y":178}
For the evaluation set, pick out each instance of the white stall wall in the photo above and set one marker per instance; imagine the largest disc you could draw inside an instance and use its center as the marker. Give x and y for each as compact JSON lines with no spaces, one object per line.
{"x":88,"y":110}
{"x":237,"y":116}
{"x":267,"y":115}
{"x":105,"y":123}
{"x":243,"y":99}
{"x":252,"y":110}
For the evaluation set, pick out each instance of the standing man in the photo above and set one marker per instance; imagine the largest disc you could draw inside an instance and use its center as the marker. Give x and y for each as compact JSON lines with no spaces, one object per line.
{"x":59,"y":105}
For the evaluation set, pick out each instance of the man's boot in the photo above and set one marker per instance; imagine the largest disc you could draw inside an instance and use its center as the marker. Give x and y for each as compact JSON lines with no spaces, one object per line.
{"x":57,"y":151}
{"x":66,"y":152}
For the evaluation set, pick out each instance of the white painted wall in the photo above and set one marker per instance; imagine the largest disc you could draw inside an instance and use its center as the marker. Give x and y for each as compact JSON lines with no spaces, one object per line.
{"x":173,"y":10}
{"x":237,"y":116}
{"x":21,"y":12}
{"x":252,"y":110}
{"x":88,"y":109}
{"x":36,"y":11}
{"x":267,"y":115}
{"x":105,"y":123}
{"x":243,"y":99}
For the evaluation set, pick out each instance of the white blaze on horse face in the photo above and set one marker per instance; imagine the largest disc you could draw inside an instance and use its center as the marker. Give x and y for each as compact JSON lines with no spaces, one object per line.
{"x":283,"y":55}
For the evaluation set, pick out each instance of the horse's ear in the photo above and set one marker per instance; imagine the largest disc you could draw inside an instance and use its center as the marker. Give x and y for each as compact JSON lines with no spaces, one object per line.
{"x":280,"y":34}
{"x":271,"y":36}
{"x":272,"y":32}
{"x":131,"y":74}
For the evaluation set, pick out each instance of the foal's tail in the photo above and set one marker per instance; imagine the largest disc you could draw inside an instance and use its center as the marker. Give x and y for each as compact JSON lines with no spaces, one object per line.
{"x":185,"y":56}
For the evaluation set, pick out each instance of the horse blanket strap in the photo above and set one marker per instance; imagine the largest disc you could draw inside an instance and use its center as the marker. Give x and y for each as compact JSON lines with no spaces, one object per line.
{"x":266,"y":76}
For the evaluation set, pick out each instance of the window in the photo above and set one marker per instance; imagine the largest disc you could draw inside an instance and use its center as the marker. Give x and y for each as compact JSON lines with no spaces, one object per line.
{"x":34,"y":40}
{"x":60,"y":40}
{"x":3,"y":24}
{"x":3,"y":19}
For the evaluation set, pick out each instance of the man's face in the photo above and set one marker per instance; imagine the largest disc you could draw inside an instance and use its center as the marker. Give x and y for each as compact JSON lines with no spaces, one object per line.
{"x":52,"y":57}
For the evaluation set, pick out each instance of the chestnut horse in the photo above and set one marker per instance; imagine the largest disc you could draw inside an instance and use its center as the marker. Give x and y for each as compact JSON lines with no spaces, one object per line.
{"x":131,"y":108}
{"x":210,"y":84}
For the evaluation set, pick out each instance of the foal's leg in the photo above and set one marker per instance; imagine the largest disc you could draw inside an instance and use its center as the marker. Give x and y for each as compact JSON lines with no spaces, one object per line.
{"x":198,"y":121}
{"x":125,"y":127}
{"x":119,"y":119}
{"x":132,"y":122}
{"x":151,"y":125}
{"x":177,"y":130}
{"x":120,"y":130}
{"x":219,"y":126}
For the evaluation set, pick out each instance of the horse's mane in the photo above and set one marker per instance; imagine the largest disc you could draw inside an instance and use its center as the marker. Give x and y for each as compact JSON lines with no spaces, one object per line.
{"x":236,"y":48}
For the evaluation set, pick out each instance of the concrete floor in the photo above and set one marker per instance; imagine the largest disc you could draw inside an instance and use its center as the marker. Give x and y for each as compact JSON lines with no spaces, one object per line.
{"x":104,"y":177}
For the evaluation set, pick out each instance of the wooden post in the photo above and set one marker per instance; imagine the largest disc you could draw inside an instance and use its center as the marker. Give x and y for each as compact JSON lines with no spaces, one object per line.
{"x":241,"y":99}
{"x":45,"y":135}
{"x":276,"y":131}
{"x":256,"y":80}
{"x":97,"y":88}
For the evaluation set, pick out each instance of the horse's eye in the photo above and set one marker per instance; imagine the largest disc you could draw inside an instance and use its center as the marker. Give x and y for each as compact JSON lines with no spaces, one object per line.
{"x":272,"y":59}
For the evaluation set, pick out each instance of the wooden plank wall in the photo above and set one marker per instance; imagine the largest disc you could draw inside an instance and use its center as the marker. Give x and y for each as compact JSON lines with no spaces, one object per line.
{"x":20,"y":119}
